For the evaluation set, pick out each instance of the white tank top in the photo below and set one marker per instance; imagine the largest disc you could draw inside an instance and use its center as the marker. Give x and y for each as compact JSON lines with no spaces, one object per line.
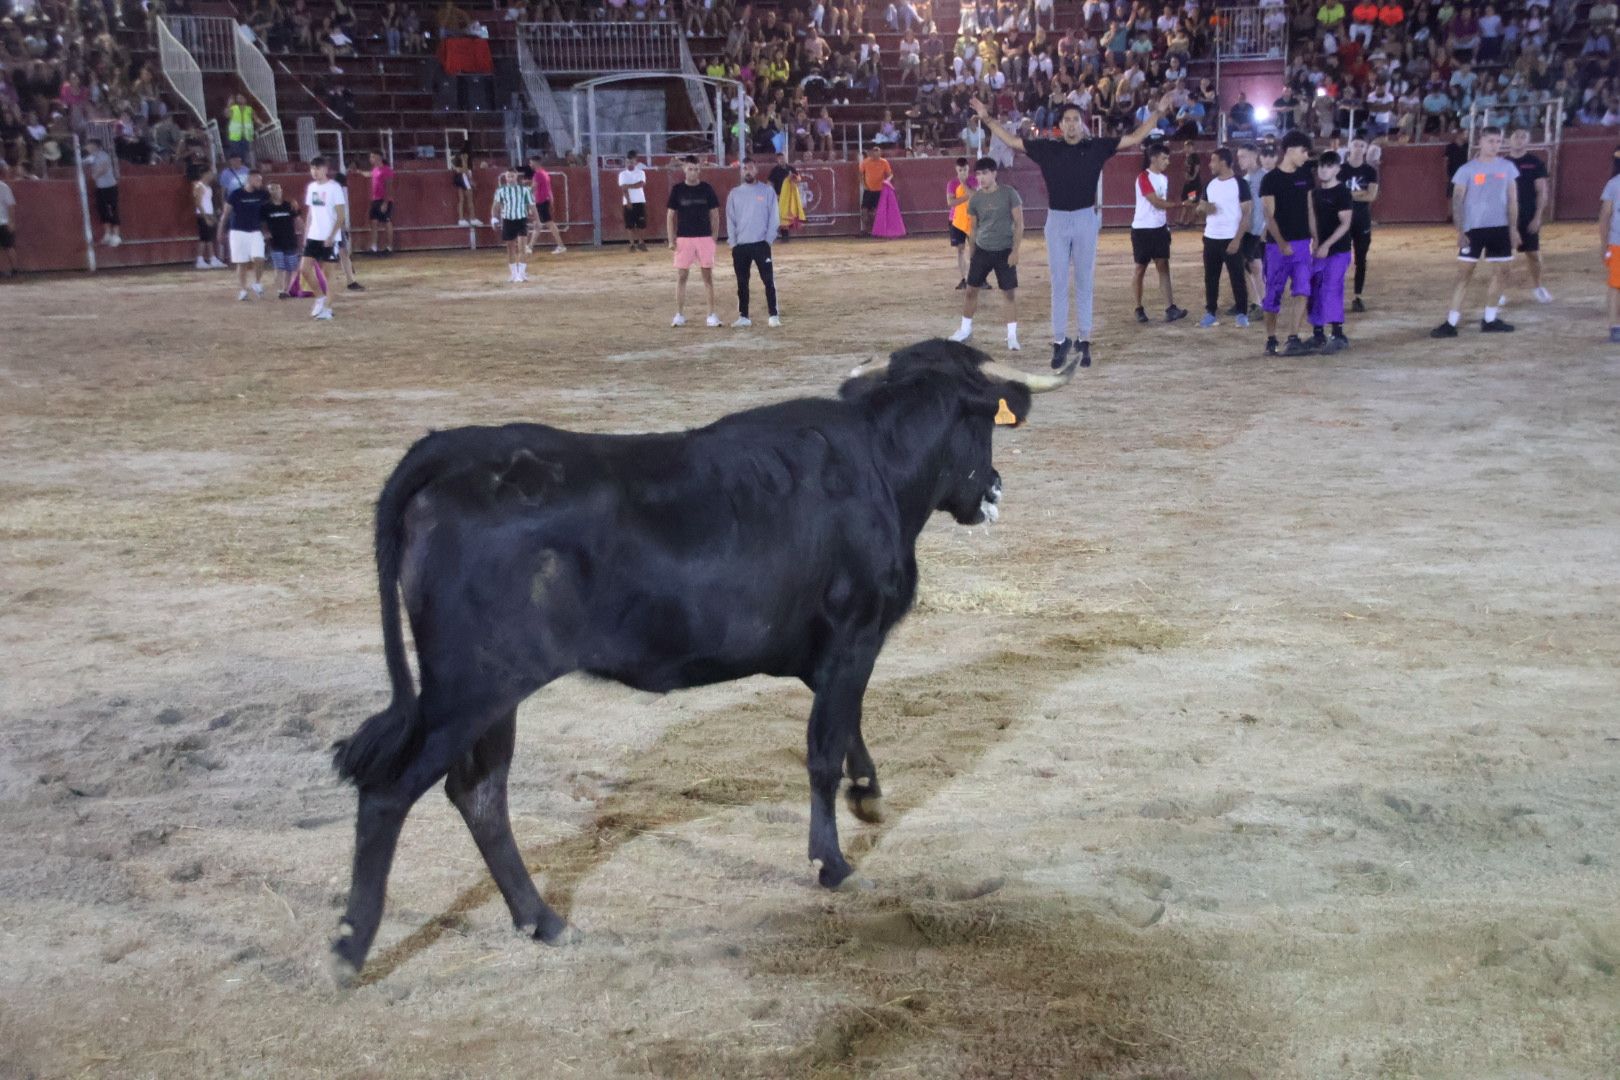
{"x":207,"y":206}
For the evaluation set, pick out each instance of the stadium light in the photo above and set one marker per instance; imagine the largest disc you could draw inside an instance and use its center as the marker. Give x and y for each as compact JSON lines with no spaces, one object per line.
{"x":1262,"y":114}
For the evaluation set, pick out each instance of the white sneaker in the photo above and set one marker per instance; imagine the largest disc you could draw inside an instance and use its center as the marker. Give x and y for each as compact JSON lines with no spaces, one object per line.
{"x":1501,"y":301}
{"x":215,"y":264}
{"x":324,"y":313}
{"x":678,"y":320}
{"x":1012,"y":344}
{"x":559,"y":250}
{"x":742,"y":322}
{"x":962,"y":334}
{"x":1542,"y":295}
{"x":241,"y":294}
{"x":712,"y":320}
{"x":258,"y":290}
{"x":462,"y":221}
{"x":114,"y":241}
{"x":774,"y":320}
{"x":202,"y":264}
{"x":320,"y":306}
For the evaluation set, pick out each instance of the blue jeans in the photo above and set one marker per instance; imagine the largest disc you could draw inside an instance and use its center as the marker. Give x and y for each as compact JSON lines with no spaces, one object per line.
{"x":1071,"y":251}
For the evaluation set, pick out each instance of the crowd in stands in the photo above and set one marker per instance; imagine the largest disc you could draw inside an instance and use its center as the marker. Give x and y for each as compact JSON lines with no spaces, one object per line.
{"x":1404,"y":71}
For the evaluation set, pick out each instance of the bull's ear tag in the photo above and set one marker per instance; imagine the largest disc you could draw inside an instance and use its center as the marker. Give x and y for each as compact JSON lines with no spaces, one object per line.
{"x":1004,"y":415}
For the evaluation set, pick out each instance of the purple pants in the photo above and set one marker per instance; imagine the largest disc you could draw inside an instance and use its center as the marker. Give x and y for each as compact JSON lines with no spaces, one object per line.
{"x":1327,"y":288}
{"x":1293,"y":271}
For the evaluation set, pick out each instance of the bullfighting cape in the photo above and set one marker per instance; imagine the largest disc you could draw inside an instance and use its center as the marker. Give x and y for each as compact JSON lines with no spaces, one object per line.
{"x":790,"y":204}
{"x":887,"y":222}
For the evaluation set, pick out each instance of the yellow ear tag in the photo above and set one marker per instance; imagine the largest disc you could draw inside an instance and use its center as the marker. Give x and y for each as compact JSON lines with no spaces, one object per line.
{"x":1004,"y":415}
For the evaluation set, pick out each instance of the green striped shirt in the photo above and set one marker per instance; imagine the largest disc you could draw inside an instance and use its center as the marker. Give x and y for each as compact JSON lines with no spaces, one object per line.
{"x":515,"y":201}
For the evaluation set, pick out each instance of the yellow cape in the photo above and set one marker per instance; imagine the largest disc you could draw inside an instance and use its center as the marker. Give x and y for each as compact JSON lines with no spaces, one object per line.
{"x":791,"y":204}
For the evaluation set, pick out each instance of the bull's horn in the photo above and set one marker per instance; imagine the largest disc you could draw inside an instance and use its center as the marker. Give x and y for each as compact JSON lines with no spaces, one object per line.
{"x":1037,"y":384}
{"x":875,"y":366}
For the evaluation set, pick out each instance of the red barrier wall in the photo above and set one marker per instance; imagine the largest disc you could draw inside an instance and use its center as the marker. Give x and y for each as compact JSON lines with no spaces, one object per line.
{"x":159,"y":228}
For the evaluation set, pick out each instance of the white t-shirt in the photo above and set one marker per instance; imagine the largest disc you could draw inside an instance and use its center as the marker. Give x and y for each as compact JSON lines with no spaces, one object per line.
{"x":637,"y":175}
{"x":1149,"y":216}
{"x":323,"y":199}
{"x":1228,"y":197}
{"x":7,"y":201}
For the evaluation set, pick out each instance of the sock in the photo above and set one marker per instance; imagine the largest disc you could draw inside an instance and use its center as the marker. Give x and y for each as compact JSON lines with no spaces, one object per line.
{"x":1490,"y":314}
{"x":1453,"y":317}
{"x":523,"y":269}
{"x":1012,"y":331}
{"x":967,"y":323}
{"x":1338,"y":329}
{"x":1317,"y":331}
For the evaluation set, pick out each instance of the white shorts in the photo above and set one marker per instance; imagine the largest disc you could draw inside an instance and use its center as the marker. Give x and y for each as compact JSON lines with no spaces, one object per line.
{"x":246,"y":246}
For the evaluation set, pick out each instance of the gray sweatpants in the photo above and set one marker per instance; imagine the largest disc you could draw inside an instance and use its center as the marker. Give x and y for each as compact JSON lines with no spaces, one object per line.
{"x":1071,"y":249}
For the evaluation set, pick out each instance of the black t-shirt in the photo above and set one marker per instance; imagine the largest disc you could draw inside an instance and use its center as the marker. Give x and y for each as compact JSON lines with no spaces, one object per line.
{"x":1071,"y":170}
{"x":283,"y":225}
{"x":1531,"y":168}
{"x":1456,"y":158}
{"x":1359,"y":178}
{"x":1291,"y":202}
{"x":247,"y":209}
{"x":692,"y":203}
{"x":779,"y":177}
{"x":1329,"y":204}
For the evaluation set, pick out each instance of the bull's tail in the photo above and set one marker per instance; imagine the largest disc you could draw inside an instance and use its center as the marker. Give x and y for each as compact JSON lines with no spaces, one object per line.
{"x":378,"y":752}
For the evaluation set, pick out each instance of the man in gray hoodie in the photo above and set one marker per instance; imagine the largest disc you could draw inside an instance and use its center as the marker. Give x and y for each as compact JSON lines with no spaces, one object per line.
{"x":752,"y":220}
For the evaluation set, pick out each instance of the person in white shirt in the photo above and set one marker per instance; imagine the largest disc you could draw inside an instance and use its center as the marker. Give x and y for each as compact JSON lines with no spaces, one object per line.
{"x":326,"y":207}
{"x":1150,"y":231}
{"x":8,"y":220}
{"x":1227,"y":205}
{"x":633,"y":190}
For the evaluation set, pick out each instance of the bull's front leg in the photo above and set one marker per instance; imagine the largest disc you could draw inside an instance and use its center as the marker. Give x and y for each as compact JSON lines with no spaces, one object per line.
{"x":834,"y":723}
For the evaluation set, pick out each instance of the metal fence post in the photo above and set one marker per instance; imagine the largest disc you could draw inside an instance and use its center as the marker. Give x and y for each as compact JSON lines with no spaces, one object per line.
{"x":84,"y":207}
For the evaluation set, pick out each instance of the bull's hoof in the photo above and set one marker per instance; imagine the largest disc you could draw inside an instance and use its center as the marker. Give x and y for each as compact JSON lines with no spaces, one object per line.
{"x":554,"y":931}
{"x":831,"y":875}
{"x":855,"y":883}
{"x":869,"y":808}
{"x":340,"y":969}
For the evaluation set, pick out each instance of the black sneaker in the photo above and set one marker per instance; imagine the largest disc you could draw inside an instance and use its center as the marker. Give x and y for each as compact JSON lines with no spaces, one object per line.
{"x":1256,"y":312}
{"x":1495,"y":326}
{"x":1141,"y":316}
{"x":1318,"y":341}
{"x":1172,"y":313}
{"x":1444,"y":330}
{"x":1357,"y":306}
{"x":1296,"y":347}
{"x":961,"y":284}
{"x":355,"y":286}
{"x":1085,"y":353}
{"x":1340,"y":342}
{"x":283,"y":296}
{"x":1235,"y":310}
{"x":1271,"y":346}
{"x":1060,"y":353}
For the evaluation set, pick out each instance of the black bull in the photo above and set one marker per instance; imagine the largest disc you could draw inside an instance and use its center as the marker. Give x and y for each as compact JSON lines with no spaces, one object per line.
{"x":776,"y":541}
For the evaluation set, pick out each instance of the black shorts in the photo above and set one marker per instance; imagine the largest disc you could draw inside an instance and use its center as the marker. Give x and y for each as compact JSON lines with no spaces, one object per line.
{"x":8,"y":239}
{"x":543,"y":210}
{"x":1254,"y":247}
{"x":1150,"y":244}
{"x":635,"y":215}
{"x":983,"y":262}
{"x":514,"y":228}
{"x":207,"y":231}
{"x":107,"y":204}
{"x":314,"y":249}
{"x":958,"y":237}
{"x":382,"y":210}
{"x":869,"y":199}
{"x":1492,"y":245}
{"x":1529,"y":242}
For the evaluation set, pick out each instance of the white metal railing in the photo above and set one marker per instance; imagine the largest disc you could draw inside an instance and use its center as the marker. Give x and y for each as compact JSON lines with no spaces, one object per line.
{"x":254,"y":71}
{"x":696,"y":92}
{"x":270,"y":143}
{"x":542,"y":100}
{"x":599,"y":48}
{"x":1247,"y":33}
{"x":184,"y":76}
{"x":211,"y":39}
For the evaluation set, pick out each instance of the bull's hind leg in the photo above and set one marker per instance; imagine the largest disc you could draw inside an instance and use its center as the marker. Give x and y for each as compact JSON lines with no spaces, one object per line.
{"x":383,"y":806}
{"x":477,"y":786}
{"x":863,"y":796}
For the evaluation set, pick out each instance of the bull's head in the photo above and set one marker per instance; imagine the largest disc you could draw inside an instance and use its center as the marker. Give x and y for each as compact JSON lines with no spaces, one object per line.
{"x":971,"y":395}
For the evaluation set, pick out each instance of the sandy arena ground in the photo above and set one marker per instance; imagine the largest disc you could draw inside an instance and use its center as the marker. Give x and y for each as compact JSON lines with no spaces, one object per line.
{"x":1272,"y":732}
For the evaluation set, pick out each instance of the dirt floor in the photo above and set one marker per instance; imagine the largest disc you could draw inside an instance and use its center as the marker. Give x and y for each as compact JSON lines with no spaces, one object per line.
{"x":1272,"y":732}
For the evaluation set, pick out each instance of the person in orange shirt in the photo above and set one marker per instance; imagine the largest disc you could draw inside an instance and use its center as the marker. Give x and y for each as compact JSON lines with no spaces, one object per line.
{"x":957,"y":193}
{"x":874,"y":172}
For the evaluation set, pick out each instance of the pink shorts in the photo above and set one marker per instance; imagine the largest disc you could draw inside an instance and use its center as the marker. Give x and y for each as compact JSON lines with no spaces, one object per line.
{"x":694,"y":249}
